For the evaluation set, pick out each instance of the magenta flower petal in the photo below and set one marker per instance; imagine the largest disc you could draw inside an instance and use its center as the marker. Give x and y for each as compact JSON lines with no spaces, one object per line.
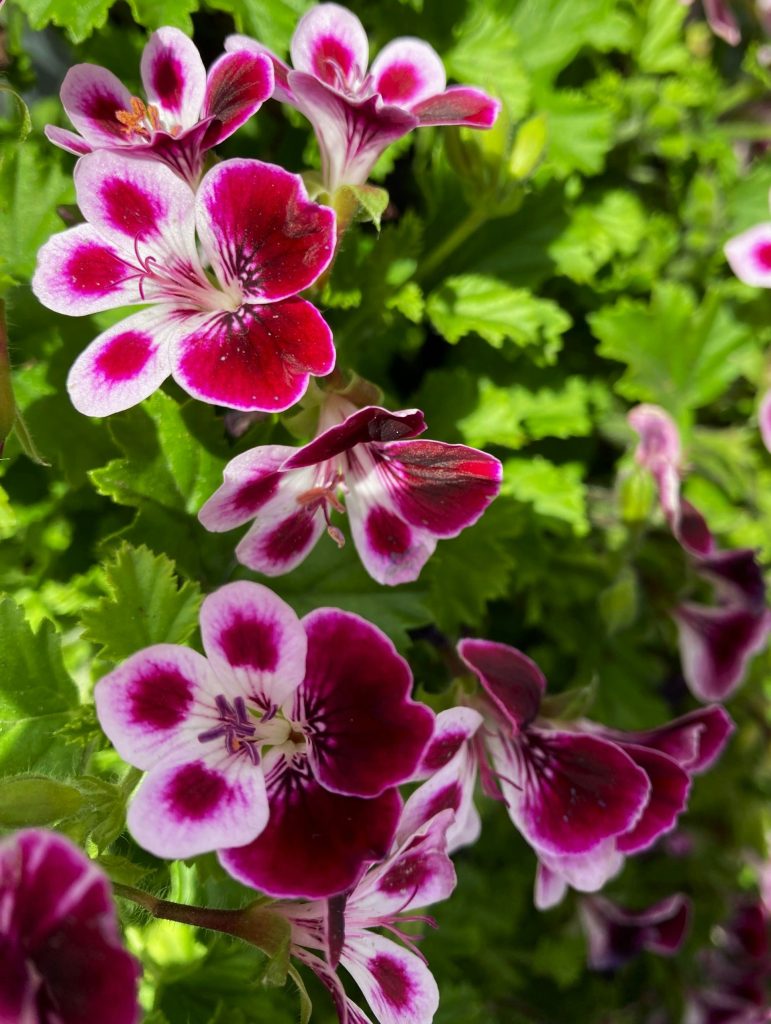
{"x":90,"y":96}
{"x":68,"y":140}
{"x":715,"y":646}
{"x":254,"y":642}
{"x":251,"y":481}
{"x":737,"y":576}
{"x":460,"y":104}
{"x":397,"y":984}
{"x":281,"y":538}
{"x":550,"y":888}
{"x":449,"y":789}
{"x":80,"y":272}
{"x":691,"y":529}
{"x":60,"y":951}
{"x":586,"y":872}
{"x":670,"y":786}
{"x":695,"y":740}
{"x":452,"y":728}
{"x":173,"y":76}
{"x":764,"y":419}
{"x":407,"y":71}
{"x":364,"y":426}
{"x":123,"y":365}
{"x":330,"y":43}
{"x":749,"y":255}
{"x":615,"y":935}
{"x":258,"y":357}
{"x":281,"y":91}
{"x":316,"y":843}
{"x":260,"y":230}
{"x":366,"y":734}
{"x":390,"y":549}
{"x":182,"y":810}
{"x":236,"y":87}
{"x":515,"y":683}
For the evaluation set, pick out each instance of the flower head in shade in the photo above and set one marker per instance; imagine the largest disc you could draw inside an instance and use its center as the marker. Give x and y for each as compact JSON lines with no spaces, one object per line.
{"x":615,"y":935}
{"x":401,"y":493}
{"x":186,"y":112}
{"x":280,"y":749}
{"x":236,"y":334}
{"x":396,"y":982}
{"x":61,"y":958}
{"x":358,"y":111}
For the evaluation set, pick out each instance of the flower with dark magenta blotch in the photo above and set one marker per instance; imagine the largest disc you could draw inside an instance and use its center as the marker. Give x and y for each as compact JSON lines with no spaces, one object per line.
{"x":396,"y":982}
{"x":186,"y":112}
{"x":357,"y":112}
{"x":280,"y":749}
{"x":401,"y":494}
{"x":235,"y":335}
{"x":615,"y":935}
{"x":61,"y":958}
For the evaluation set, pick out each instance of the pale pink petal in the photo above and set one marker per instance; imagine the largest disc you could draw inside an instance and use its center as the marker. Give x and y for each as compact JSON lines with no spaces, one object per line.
{"x":460,"y":104}
{"x":452,"y":728}
{"x":407,"y":71}
{"x":174,"y":77}
{"x":236,"y":87}
{"x":284,"y":532}
{"x":716,"y":645}
{"x":722,"y":21}
{"x":123,"y":365}
{"x":398,"y":986}
{"x":281,"y":90}
{"x":450,"y":788}
{"x":550,"y":888}
{"x":68,"y":140}
{"x":255,"y":643}
{"x":330,"y":43}
{"x":764,"y":419}
{"x":80,"y":272}
{"x":749,"y":255}
{"x":183,"y":810}
{"x":91,"y":97}
{"x":587,"y":872}
{"x":250,"y":481}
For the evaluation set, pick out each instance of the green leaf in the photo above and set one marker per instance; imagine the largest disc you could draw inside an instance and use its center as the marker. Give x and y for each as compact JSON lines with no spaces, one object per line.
{"x":678,"y":354}
{"x":473,"y":303}
{"x":270,"y":21}
{"x":78,"y":19}
{"x":555,"y":492}
{"x":615,"y":226}
{"x":154,"y":14}
{"x":35,"y":800}
{"x":580,"y":132}
{"x":145,"y":604}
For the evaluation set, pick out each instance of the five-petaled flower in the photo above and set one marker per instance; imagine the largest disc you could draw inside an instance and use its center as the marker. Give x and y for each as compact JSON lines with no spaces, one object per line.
{"x":355,"y":112}
{"x":280,"y":749}
{"x":61,"y":958}
{"x":187,"y":111}
{"x":246,"y":341}
{"x":396,"y":982}
{"x":401,"y":493}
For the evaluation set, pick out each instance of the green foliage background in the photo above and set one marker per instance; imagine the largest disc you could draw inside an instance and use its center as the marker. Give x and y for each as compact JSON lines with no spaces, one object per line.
{"x":524,"y":300}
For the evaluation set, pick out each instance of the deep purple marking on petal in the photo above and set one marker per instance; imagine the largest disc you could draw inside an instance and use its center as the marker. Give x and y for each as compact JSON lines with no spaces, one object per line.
{"x":409,"y":872}
{"x":737,"y":575}
{"x":398,"y":82}
{"x":443,"y":750}
{"x":447,"y":799}
{"x":94,"y":270}
{"x":124,"y":356}
{"x":168,"y":79}
{"x":130,"y":209}
{"x":289,"y":536}
{"x":762,"y":255}
{"x":371,"y":424}
{"x":250,"y":642}
{"x":160,"y":699}
{"x":102,"y":107}
{"x":396,"y":985}
{"x":195,"y":791}
{"x":388,"y":535}
{"x":252,"y":496}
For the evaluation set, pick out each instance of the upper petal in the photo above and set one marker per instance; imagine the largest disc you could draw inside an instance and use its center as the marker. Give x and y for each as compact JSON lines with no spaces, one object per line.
{"x":513,"y":680}
{"x":450,"y":788}
{"x":460,"y":104}
{"x":281,"y":91}
{"x":68,"y":140}
{"x":452,"y":728}
{"x":173,"y":76}
{"x":260,"y":231}
{"x":365,"y":733}
{"x":397,"y":984}
{"x":91,"y":97}
{"x":257,"y":357}
{"x":330,"y":43}
{"x":236,"y":87}
{"x":670,"y":786}
{"x":749,"y":255}
{"x":407,"y":71}
{"x":250,"y":480}
{"x":371,"y":424}
{"x":254,"y":641}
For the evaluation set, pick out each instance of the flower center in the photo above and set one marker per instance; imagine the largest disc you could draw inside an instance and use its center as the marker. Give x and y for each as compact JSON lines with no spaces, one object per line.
{"x":355,"y":85}
{"x":143,"y":121}
{"x":325,"y":497}
{"x":242,"y":732}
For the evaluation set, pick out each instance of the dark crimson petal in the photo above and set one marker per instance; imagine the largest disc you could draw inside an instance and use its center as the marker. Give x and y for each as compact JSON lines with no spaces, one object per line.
{"x":670,"y":786}
{"x":615,"y":935}
{"x":236,"y":87}
{"x":316,"y":843}
{"x":281,"y":91}
{"x":365,"y":426}
{"x":513,"y":680}
{"x":692,"y":531}
{"x":716,"y":644}
{"x":459,"y":105}
{"x":259,"y":357}
{"x":364,"y":732}
{"x":695,"y":740}
{"x":260,"y":230}
{"x":18,"y":986}
{"x":369,"y":735}
{"x":440,"y":487}
{"x":576,"y":790}
{"x":737,"y":575}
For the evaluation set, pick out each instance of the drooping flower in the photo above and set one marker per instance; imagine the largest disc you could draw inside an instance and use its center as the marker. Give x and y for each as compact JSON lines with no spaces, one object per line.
{"x":396,"y":982}
{"x":186,"y":112}
{"x":280,"y":749}
{"x":721,"y":20}
{"x":401,"y":494}
{"x":246,"y":341}
{"x":615,"y":935}
{"x":355,"y":112}
{"x":61,"y":958}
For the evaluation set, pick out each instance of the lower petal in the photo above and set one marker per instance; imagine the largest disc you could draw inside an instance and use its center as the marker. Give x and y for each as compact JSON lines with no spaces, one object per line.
{"x":587,"y":872}
{"x":670,"y":786}
{"x":258,"y":357}
{"x":123,"y":366}
{"x":251,"y":480}
{"x":391,"y":550}
{"x":460,"y":104}
{"x":68,"y":140}
{"x":316,"y":843}
{"x":398,"y":986}
{"x":550,"y":888}
{"x":716,"y":645}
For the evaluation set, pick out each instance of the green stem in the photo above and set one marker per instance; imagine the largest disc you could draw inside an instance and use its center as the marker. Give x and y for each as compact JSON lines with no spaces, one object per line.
{"x":473,"y":220}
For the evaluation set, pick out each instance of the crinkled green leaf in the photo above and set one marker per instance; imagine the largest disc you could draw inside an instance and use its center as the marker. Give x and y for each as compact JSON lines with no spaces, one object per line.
{"x":79,"y":20}
{"x":615,"y":226}
{"x":555,"y":492}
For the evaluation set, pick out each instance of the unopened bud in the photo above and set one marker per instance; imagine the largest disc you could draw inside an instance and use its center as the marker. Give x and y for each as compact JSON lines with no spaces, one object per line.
{"x":529,"y":147}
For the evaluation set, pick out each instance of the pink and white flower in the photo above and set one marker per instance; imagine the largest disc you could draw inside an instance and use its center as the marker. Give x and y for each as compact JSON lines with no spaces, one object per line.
{"x":236,"y":335}
{"x":355,"y":112}
{"x":61,"y":956}
{"x":280,"y":749}
{"x":396,"y":982}
{"x":615,"y":935}
{"x":186,"y":113}
{"x":401,"y":494}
